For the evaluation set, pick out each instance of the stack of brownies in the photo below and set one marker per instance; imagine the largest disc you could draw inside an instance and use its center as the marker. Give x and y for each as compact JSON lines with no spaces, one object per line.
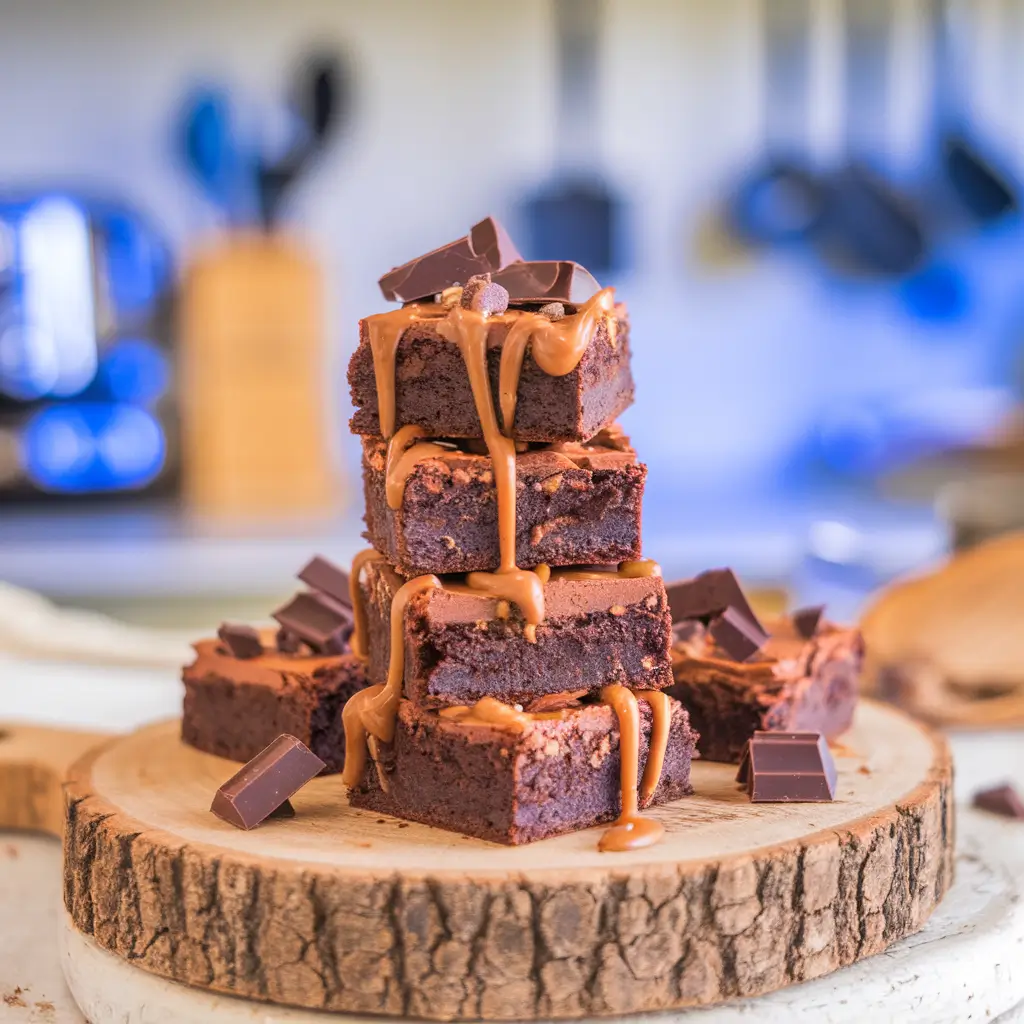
{"x":516,"y":642}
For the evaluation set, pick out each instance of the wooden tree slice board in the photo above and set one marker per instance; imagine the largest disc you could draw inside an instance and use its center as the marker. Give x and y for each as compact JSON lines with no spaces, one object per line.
{"x":339,"y":909}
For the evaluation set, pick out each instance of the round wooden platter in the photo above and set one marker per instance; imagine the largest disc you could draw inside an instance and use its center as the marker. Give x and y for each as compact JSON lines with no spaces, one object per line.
{"x":343,"y":910}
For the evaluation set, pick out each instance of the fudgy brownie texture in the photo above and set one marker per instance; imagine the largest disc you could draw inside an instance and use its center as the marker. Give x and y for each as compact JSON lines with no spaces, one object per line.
{"x":509,"y":786}
{"x":791,"y":685}
{"x":576,"y":504}
{"x":458,"y":649}
{"x":235,"y":707}
{"x":432,"y":387}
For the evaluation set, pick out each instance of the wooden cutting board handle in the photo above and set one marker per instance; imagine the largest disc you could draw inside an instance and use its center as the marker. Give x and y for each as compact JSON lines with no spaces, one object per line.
{"x":34,"y":763}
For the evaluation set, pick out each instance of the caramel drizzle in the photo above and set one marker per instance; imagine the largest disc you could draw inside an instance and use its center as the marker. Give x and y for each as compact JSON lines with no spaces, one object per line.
{"x":642,"y":569}
{"x":385,"y":331}
{"x":358,"y":642}
{"x":631,"y":830}
{"x":661,"y":711}
{"x":400,"y":461}
{"x":558,"y":346}
{"x":491,"y":712}
{"x":372,"y":712}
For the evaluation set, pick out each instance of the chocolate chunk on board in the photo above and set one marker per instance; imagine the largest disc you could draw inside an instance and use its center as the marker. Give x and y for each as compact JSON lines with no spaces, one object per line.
{"x":547,"y":281}
{"x":788,"y":767}
{"x":324,"y":625}
{"x":487,"y":248}
{"x":806,"y":620}
{"x":329,"y":579}
{"x":735,"y":634}
{"x":515,"y":786}
{"x":575,"y":505}
{"x":795,"y":685}
{"x":273,"y":776}
{"x":484,"y":296}
{"x":241,"y":641}
{"x":432,"y":387}
{"x":458,"y":649}
{"x":235,"y":708}
{"x":1002,"y":800}
{"x":708,"y":595}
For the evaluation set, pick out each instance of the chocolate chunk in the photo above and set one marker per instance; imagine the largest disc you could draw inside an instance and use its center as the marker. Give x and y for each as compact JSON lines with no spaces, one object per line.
{"x":806,"y":620}
{"x":320,"y":622}
{"x":266,"y":782}
{"x":708,"y":595}
{"x":241,"y":641}
{"x":543,"y":280}
{"x":484,"y":296}
{"x":284,"y":811}
{"x":552,"y":310}
{"x":556,"y":701}
{"x":487,"y":248}
{"x":287,"y":641}
{"x":783,"y":767}
{"x":736,"y":635}
{"x":1002,"y":800}
{"x":326,"y":577}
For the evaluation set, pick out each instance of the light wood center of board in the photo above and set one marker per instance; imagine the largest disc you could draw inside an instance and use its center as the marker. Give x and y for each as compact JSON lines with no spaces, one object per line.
{"x":346,"y":910}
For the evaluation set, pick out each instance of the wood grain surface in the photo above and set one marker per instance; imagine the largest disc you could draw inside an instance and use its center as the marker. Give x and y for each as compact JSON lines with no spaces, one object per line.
{"x":340,"y":909}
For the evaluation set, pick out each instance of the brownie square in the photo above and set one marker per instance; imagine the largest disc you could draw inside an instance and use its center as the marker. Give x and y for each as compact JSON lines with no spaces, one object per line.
{"x":576,"y":504}
{"x":791,"y":685}
{"x":432,"y":387}
{"x":515,"y":786}
{"x":235,"y":707}
{"x":459,"y":650}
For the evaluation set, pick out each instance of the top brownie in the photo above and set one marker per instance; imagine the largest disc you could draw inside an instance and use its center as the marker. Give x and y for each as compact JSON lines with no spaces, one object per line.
{"x":432,"y":387}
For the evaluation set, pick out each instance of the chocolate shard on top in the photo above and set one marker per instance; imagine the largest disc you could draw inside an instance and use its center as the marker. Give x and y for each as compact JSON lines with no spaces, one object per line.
{"x":241,"y":641}
{"x":788,"y":767}
{"x":807,"y":620}
{"x":709,"y":595}
{"x":321,"y":623}
{"x":547,"y":281}
{"x":736,"y":635}
{"x":266,"y":783}
{"x":1002,"y":800}
{"x":486,"y":249}
{"x":325,"y":576}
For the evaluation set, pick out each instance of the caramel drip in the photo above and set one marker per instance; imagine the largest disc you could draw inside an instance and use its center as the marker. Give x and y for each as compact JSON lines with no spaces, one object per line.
{"x":385,"y":331}
{"x":631,"y":830}
{"x":400,"y":461}
{"x":661,"y":711}
{"x":358,"y":640}
{"x":372,"y":711}
{"x":489,"y":711}
{"x":557,"y":346}
{"x":644,"y":568}
{"x":468,"y":329}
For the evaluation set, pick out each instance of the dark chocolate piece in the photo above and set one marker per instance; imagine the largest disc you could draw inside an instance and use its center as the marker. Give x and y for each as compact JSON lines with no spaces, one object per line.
{"x":287,"y":641}
{"x":708,"y":595}
{"x":325,"y":576}
{"x":806,"y":620}
{"x":795,"y":685}
{"x":544,"y":280}
{"x":286,"y":810}
{"x":234,"y":708}
{"x":1002,"y":800}
{"x":241,"y":641}
{"x":736,"y":635}
{"x":575,"y":505}
{"x":513,"y":785}
{"x":484,"y":296}
{"x":323,"y":624}
{"x":788,"y":767}
{"x":276,"y":773}
{"x":458,"y":650}
{"x":487,"y":248}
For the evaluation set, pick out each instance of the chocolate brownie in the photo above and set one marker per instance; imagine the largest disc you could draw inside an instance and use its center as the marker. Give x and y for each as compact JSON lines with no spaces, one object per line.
{"x":576,"y":504}
{"x":515,"y":785}
{"x":235,"y":707}
{"x":432,"y":387}
{"x":791,"y":685}
{"x":458,"y":648}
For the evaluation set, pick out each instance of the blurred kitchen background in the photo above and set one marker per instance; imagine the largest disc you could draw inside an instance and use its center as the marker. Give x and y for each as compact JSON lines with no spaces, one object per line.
{"x":811,"y":208}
